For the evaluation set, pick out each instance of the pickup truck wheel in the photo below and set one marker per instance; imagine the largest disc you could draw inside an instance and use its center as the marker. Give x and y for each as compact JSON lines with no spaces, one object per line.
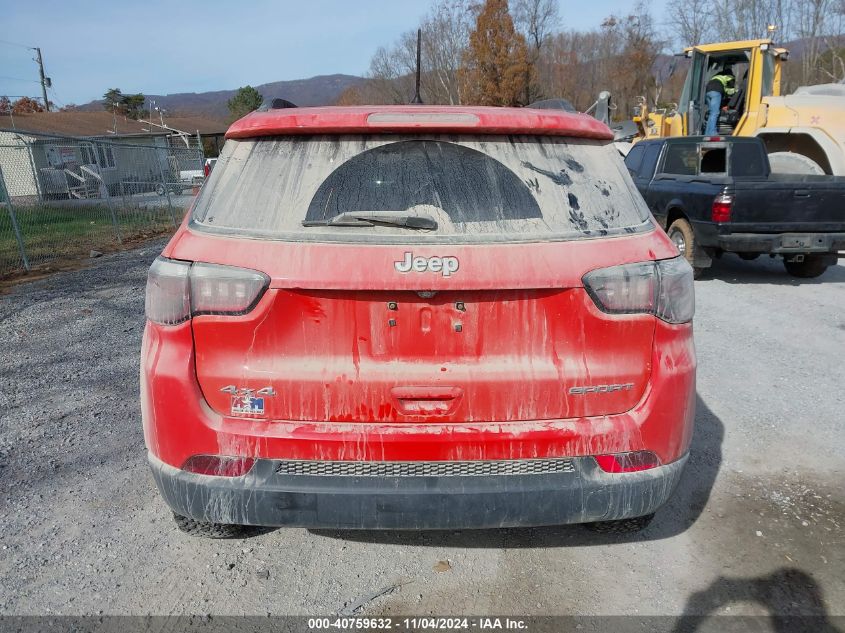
{"x":622,"y":526}
{"x":812,"y":266}
{"x":748,"y":256}
{"x":209,"y":530}
{"x":683,"y":237}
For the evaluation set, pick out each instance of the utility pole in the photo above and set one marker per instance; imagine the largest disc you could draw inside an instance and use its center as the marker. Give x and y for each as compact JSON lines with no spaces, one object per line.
{"x":45,"y":81}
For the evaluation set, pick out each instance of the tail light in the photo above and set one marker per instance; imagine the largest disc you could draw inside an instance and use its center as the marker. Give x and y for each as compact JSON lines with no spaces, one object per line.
{"x":168,"y":300}
{"x":663,"y":288}
{"x":627,"y":462}
{"x":206,"y":169}
{"x":176,"y":290}
{"x":219,"y":465}
{"x":721,"y":209}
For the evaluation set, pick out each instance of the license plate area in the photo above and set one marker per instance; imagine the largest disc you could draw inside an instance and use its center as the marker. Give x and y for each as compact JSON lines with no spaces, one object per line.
{"x":422,"y":326}
{"x":803,"y":242}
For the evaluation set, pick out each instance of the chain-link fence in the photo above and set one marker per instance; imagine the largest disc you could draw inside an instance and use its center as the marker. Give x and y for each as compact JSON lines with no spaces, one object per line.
{"x":65,"y":197}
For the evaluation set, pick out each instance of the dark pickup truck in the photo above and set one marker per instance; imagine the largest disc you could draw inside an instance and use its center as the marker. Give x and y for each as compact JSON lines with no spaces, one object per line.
{"x":717,"y":194}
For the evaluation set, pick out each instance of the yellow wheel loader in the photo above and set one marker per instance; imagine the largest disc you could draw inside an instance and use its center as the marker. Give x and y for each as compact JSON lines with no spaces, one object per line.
{"x":804,"y":132}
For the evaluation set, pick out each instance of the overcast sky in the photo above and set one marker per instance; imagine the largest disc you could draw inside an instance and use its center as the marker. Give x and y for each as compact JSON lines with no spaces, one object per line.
{"x":161,"y":47}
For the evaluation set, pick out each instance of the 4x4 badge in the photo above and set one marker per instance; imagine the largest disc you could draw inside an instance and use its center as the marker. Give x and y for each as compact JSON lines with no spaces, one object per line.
{"x":245,"y":401}
{"x":443,"y":265}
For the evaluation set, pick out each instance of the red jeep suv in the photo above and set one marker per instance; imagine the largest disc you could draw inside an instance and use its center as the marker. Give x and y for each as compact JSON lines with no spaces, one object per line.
{"x":417,"y":318}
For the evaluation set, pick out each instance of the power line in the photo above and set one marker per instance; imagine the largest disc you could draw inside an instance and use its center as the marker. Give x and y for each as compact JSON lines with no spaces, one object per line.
{"x":56,"y":98}
{"x":33,"y":81}
{"x":15,"y":44}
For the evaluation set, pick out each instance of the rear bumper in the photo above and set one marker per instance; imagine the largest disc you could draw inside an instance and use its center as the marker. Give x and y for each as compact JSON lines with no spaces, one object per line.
{"x":583,"y":493}
{"x":778,"y":243}
{"x":783,"y":242}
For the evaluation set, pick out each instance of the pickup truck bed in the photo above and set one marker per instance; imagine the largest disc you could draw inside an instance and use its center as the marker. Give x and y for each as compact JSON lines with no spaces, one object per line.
{"x":715,"y":195}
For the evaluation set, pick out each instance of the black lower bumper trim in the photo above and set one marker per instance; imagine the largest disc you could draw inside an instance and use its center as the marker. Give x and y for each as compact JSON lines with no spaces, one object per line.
{"x":782,"y":243}
{"x":266,"y":497}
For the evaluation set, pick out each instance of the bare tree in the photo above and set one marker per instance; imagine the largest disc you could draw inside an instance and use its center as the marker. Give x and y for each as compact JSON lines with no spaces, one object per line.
{"x":446,"y":31}
{"x":814,"y":22}
{"x":445,"y":36}
{"x":390,"y":75}
{"x":562,"y":59}
{"x":691,"y":24}
{"x":632,"y":57}
{"x":536,"y":20}
{"x":750,"y":19}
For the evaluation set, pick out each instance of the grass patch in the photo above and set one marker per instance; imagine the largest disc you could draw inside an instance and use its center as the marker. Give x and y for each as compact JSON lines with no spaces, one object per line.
{"x":53,"y":232}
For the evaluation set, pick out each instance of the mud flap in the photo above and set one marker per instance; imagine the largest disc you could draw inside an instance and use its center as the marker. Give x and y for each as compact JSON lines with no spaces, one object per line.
{"x":701,"y":258}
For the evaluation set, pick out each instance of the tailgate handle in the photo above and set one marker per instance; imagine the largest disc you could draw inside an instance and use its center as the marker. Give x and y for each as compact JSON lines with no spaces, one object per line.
{"x":427,"y":400}
{"x":801,"y":193}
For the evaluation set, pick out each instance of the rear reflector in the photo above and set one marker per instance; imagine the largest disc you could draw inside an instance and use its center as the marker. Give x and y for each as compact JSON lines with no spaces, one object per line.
{"x":663,"y":288}
{"x":219,"y":465}
{"x":178,"y":290}
{"x":627,"y":462}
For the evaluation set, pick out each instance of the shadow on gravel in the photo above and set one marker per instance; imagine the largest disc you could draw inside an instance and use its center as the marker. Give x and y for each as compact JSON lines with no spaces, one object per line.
{"x":793,"y":599}
{"x":764,"y":270}
{"x":683,"y":509}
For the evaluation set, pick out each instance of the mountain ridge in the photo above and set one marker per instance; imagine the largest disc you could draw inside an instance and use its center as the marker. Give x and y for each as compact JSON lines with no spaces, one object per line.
{"x":312,"y":91}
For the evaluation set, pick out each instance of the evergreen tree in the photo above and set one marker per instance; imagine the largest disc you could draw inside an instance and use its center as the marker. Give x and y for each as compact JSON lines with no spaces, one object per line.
{"x":495,"y":67}
{"x":245,"y":101}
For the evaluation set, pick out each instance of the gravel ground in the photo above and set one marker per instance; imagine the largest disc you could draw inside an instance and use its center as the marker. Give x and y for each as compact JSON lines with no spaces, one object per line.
{"x":755,"y":527}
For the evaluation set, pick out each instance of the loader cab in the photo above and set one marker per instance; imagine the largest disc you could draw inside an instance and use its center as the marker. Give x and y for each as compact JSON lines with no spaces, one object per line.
{"x":756,"y":64}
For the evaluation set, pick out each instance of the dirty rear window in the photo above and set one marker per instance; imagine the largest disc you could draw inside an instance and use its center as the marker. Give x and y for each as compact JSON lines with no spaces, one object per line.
{"x":475,"y":188}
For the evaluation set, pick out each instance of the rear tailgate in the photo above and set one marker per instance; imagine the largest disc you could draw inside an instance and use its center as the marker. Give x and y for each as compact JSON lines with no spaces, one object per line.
{"x":787,"y":203}
{"x":470,"y":356}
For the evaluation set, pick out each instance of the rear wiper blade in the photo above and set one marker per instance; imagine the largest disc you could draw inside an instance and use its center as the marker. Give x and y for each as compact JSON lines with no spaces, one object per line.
{"x":373,"y":218}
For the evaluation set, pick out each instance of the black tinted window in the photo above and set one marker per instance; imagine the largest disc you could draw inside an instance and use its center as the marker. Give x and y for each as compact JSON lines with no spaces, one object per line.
{"x":468,"y":185}
{"x":747,"y":161}
{"x":634,"y":159}
{"x":652,"y":153}
{"x":681,"y":159}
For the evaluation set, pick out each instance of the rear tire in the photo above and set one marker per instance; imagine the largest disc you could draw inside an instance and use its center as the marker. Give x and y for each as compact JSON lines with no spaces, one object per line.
{"x":748,"y":256}
{"x":683,"y":237}
{"x":812,"y":266}
{"x":209,"y":530}
{"x":794,"y":163}
{"x":621,"y":526}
